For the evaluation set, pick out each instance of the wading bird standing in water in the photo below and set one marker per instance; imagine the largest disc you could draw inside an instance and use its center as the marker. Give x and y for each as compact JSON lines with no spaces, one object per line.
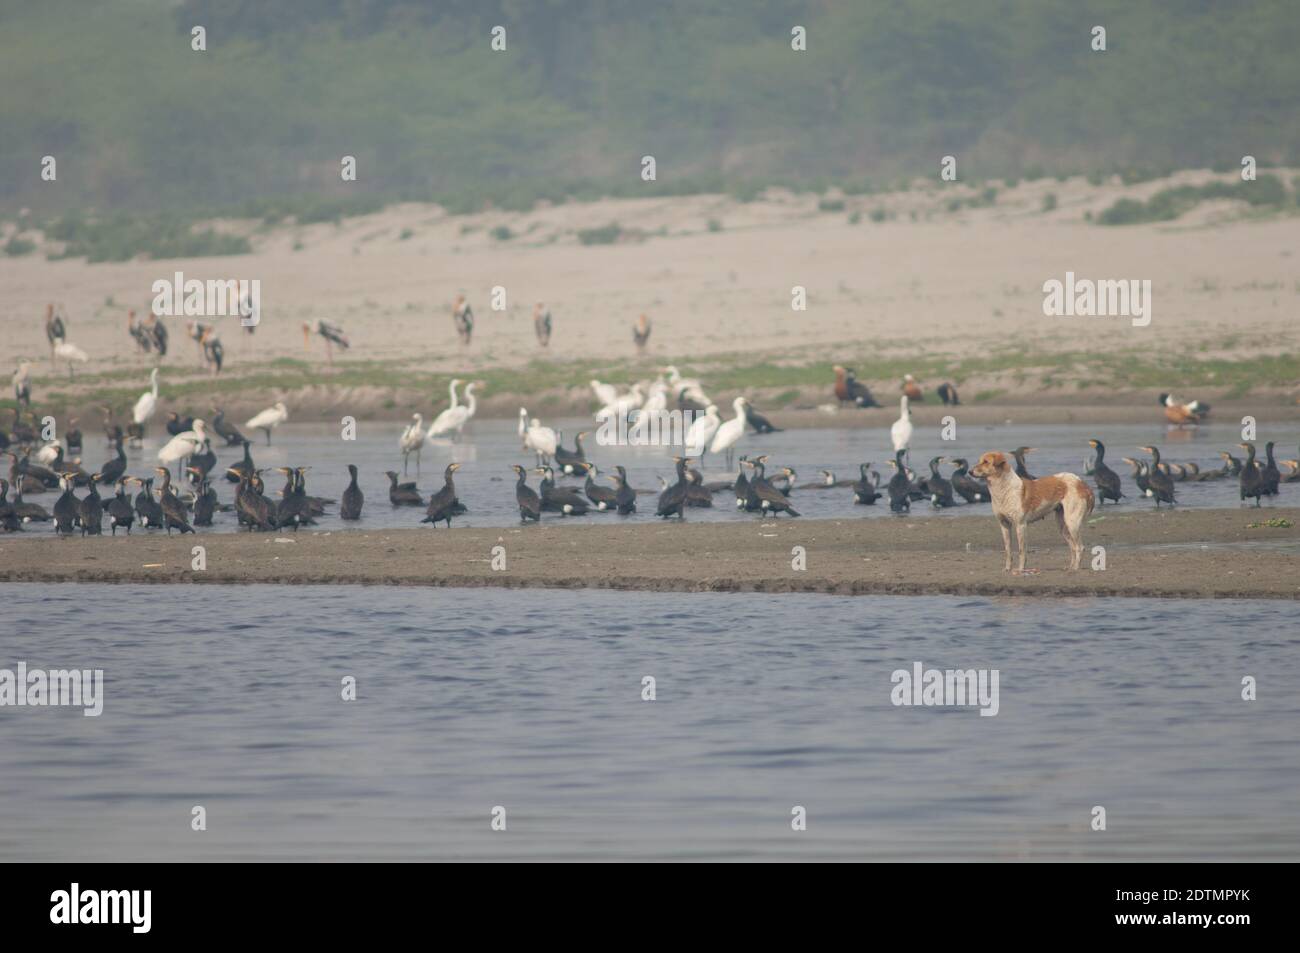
{"x":412,"y":442}
{"x":901,"y":432}
{"x":268,"y":420}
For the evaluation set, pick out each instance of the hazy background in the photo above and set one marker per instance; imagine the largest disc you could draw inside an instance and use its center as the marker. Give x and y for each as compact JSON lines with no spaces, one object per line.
{"x":138,"y":121}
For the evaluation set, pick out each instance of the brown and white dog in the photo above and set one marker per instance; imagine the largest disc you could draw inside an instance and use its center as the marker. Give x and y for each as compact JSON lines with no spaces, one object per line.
{"x":1018,"y":502}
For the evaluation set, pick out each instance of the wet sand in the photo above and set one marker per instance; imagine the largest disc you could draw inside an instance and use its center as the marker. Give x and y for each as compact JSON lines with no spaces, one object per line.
{"x":1178,"y":554}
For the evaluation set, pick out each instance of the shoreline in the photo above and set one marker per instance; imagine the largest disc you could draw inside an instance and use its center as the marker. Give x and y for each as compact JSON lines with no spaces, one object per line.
{"x":1193,"y":554}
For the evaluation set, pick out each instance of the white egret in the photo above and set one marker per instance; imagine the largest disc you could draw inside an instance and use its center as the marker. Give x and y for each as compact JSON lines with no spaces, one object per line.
{"x":444,"y":423}
{"x":412,"y":442}
{"x":901,"y":431}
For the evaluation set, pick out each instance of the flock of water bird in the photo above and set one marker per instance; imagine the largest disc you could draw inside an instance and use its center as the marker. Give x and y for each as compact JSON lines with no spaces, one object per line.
{"x":38,"y":466}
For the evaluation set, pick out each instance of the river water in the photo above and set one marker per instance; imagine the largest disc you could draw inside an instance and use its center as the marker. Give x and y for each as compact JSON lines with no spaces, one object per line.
{"x":486,"y":484}
{"x":468,"y":700}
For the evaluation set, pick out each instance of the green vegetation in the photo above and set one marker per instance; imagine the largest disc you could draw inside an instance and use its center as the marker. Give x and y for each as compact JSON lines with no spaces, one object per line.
{"x":121,"y":236}
{"x":413,"y":90}
{"x":17,"y":247}
{"x":1049,"y":202}
{"x":1168,"y":204}
{"x":604,"y":235}
{"x":1275,"y":522}
{"x":502,"y":233}
{"x":549,"y":384}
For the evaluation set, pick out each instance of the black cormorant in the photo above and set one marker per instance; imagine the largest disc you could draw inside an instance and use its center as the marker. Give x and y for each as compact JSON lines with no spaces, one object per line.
{"x":90,"y":510}
{"x":9,"y":521}
{"x":770,"y":499}
{"x":119,"y":509}
{"x":571,"y":462}
{"x":174,"y":514}
{"x":1021,"y":470}
{"x":937,"y":487}
{"x":443,"y":505}
{"x":865,"y":489}
{"x":1269,"y":474}
{"x":757,"y":421}
{"x":228,"y":432}
{"x":402,"y":494}
{"x":530,"y":504}
{"x":1107,"y":480}
{"x":899,"y":487}
{"x":560,"y":499}
{"x":1252,"y":477}
{"x":353,"y":498}
{"x":672,"y":501}
{"x":966,"y":486}
{"x":65,"y":509}
{"x":624,"y":496}
{"x":1159,"y":483}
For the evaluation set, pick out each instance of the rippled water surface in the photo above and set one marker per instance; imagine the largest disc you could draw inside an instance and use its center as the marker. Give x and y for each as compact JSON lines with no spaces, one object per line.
{"x":489,"y":447}
{"x":229,"y":697}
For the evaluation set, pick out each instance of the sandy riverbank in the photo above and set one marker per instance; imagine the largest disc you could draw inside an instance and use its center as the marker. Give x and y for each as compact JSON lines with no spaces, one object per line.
{"x":1182,"y":554}
{"x":715,"y":275}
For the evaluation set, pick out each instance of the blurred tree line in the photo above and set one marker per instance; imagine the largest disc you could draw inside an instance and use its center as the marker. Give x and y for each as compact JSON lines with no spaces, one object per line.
{"x":586,"y":87}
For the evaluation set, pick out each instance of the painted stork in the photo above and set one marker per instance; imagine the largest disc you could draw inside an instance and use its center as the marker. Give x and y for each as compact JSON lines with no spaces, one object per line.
{"x":196,"y":331}
{"x":332,"y":333}
{"x":463,"y":317}
{"x":23,"y":385}
{"x":213,"y":353}
{"x":641,"y":333}
{"x":157,"y":332}
{"x":143,"y":340}
{"x":542,"y":324}
{"x":55,"y":329}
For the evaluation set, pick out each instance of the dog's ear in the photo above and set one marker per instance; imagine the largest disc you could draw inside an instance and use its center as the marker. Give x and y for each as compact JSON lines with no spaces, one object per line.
{"x":1000,"y":461}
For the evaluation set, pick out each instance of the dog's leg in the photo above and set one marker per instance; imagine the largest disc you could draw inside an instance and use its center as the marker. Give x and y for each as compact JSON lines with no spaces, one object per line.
{"x":1005,"y":526}
{"x":1062,"y":523}
{"x":1020,"y":542}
